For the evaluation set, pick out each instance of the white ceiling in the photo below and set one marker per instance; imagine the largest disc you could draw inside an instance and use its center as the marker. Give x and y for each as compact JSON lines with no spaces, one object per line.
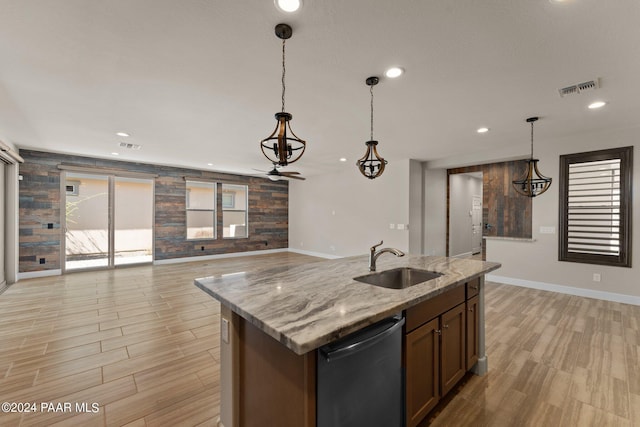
{"x":198,"y":81}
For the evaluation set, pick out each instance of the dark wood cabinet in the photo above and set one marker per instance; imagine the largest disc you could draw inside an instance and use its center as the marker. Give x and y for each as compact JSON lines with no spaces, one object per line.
{"x":472,"y":288}
{"x":472,"y":330}
{"x":422,"y":361}
{"x":452,"y":351}
{"x":441,"y":345}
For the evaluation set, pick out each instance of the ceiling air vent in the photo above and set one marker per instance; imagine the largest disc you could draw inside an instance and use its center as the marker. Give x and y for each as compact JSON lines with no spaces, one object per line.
{"x":129,"y":146}
{"x":580,"y":87}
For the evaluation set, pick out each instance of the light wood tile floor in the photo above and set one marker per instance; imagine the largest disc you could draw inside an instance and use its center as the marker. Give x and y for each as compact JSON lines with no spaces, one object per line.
{"x":142,"y":342}
{"x":554,"y":360}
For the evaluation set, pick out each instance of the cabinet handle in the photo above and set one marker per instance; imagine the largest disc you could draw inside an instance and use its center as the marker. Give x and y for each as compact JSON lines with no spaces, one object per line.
{"x":438,"y":331}
{"x":475,"y":288}
{"x":471,"y":310}
{"x":446,"y":326}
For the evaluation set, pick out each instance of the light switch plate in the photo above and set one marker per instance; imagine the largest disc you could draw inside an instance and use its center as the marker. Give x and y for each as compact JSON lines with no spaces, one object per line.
{"x":547,"y":230}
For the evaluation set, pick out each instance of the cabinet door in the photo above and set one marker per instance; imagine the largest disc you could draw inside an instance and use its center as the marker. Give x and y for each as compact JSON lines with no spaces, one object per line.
{"x":422,"y":349}
{"x":472,"y":331}
{"x":453,"y":356}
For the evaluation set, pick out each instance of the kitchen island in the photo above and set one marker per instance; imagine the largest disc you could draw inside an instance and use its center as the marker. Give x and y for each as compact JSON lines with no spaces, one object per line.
{"x":273,"y":321}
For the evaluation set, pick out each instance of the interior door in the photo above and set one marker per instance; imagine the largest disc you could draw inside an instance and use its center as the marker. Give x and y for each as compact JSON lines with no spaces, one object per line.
{"x":476,"y":224}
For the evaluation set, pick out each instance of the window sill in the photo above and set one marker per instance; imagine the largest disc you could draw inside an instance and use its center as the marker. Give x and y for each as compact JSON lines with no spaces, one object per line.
{"x":511,"y":239}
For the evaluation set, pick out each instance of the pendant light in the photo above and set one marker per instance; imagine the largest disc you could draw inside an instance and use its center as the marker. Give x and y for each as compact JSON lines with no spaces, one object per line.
{"x":283,"y":147}
{"x":371,"y":164}
{"x":530,"y":185}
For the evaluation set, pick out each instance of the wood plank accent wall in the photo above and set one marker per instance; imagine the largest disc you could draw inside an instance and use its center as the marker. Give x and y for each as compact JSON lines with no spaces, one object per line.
{"x":508,"y":212}
{"x":40,"y":205}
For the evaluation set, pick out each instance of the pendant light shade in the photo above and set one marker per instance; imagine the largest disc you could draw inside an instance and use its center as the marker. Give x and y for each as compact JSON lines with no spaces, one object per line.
{"x":371,"y":165}
{"x":532,"y":183}
{"x":283,"y":147}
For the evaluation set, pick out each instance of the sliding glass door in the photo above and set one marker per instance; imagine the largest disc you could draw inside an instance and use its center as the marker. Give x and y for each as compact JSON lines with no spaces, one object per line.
{"x":87,"y":221}
{"x":133,"y":221}
{"x":108,"y":221}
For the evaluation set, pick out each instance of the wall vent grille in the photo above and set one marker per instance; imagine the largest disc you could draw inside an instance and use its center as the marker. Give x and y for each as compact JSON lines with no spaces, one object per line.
{"x":579,"y":88}
{"x":129,"y":146}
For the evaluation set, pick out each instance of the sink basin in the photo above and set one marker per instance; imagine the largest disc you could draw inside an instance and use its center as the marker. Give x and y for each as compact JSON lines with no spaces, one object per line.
{"x":398,"y":278}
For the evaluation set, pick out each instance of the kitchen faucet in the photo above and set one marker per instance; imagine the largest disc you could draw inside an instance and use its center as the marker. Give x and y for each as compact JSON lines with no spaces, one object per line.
{"x":373,"y":254}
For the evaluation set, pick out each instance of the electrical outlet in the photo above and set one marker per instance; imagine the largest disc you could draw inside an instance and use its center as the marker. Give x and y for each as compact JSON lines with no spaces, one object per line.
{"x":400,"y":226}
{"x":596,"y":277}
{"x":224,"y":331}
{"x":392,"y":226}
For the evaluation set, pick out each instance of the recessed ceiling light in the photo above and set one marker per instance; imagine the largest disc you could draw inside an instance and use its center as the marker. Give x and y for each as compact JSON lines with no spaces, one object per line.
{"x":288,"y":5}
{"x":597,"y":104}
{"x":123,"y":134}
{"x":482,"y":130}
{"x":209,"y":164}
{"x":115,"y":154}
{"x":394,"y":72}
{"x":342,"y":159}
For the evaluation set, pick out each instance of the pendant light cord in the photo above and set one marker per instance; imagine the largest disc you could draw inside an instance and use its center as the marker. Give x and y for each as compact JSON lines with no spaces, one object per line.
{"x":531,"y":140}
{"x":371,"y":90}
{"x":283,"y":73}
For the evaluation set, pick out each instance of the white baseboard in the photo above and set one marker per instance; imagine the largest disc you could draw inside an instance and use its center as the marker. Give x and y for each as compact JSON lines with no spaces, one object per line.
{"x":570,"y":290}
{"x":58,"y":272}
{"x":316,"y":254}
{"x":36,"y":274}
{"x":218,"y":256}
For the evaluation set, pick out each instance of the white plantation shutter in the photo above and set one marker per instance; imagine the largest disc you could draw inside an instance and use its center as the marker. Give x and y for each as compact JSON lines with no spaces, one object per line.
{"x":595,"y":207}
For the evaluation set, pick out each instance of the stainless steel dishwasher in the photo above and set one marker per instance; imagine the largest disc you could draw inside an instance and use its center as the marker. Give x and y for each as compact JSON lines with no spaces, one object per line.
{"x":359,"y":381}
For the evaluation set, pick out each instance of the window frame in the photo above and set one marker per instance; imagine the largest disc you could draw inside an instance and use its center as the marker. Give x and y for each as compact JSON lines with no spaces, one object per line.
{"x":214,"y":211}
{"x":623,"y":259}
{"x":227,"y":209}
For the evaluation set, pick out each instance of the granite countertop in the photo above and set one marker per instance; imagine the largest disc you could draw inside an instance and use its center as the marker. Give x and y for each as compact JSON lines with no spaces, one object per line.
{"x":310,"y":305}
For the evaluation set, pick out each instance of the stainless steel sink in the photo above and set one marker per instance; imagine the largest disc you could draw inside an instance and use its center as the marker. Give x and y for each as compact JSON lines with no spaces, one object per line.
{"x":398,"y":278}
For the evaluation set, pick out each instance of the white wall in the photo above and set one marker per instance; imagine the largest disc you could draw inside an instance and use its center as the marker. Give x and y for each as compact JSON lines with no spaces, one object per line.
{"x":2,"y":227}
{"x":462,"y":188}
{"x":344,"y":214}
{"x":435,"y":211}
{"x":538,"y":261}
{"x":416,"y":207}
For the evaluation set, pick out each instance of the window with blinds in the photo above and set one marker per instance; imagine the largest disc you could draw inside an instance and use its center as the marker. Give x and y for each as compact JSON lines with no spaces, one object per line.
{"x":595,"y":207}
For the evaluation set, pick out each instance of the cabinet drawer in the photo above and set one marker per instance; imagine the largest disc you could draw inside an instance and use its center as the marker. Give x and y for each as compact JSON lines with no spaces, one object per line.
{"x":427,"y":310}
{"x":473,"y":287}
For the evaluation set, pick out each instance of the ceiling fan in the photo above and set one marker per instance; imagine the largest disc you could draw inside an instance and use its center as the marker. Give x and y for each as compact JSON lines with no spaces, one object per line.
{"x":275,"y":175}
